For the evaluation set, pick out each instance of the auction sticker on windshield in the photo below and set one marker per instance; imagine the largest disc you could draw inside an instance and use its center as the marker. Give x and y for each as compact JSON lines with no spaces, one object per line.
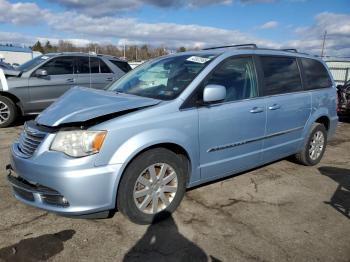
{"x":198,"y":59}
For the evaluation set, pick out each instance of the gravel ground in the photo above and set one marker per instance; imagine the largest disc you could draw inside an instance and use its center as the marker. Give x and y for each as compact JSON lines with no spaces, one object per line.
{"x":279,"y":212}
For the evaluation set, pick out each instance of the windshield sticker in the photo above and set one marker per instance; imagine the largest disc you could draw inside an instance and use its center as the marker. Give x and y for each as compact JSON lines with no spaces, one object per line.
{"x":44,"y":57}
{"x":198,"y":59}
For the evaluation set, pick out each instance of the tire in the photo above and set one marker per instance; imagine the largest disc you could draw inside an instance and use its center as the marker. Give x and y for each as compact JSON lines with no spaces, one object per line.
{"x":8,"y":112}
{"x":305,"y":157}
{"x":156,"y":159}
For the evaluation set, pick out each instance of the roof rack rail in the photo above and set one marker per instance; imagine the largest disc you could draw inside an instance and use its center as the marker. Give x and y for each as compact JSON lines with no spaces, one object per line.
{"x":253,"y":46}
{"x":290,"y":50}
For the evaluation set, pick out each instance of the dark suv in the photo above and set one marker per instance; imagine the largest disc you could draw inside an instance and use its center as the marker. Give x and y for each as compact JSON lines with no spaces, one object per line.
{"x":344,"y":99}
{"x":34,"y":85}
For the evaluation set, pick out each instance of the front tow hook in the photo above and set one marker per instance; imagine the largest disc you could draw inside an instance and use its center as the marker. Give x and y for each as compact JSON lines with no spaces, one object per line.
{"x":9,"y":169}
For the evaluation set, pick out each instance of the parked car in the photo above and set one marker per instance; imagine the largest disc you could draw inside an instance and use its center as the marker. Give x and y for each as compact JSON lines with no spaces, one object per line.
{"x":5,"y":66}
{"x":173,"y":123}
{"x":34,"y":85}
{"x":344,"y":99}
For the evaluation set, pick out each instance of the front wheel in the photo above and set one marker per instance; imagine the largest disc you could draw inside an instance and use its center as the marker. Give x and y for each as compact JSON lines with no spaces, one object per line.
{"x":315,"y":146}
{"x":152,"y":186}
{"x":8,"y":112}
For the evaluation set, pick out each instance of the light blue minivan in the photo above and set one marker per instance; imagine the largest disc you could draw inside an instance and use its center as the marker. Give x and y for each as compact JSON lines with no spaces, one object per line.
{"x":173,"y":123}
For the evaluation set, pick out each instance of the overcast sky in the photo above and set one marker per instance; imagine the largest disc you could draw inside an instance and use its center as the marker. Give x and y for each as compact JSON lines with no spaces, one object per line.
{"x":193,"y":23}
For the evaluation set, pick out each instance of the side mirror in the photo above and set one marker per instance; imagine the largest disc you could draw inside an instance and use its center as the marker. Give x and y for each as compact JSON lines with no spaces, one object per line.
{"x":214,"y":93}
{"x":41,"y":73}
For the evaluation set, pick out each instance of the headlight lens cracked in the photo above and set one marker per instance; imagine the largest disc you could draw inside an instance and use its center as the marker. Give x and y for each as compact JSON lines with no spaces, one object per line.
{"x":78,"y":143}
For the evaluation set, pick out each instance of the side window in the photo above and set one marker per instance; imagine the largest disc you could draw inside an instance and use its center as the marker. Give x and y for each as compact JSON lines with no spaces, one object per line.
{"x":124,"y":66}
{"x":104,"y":68}
{"x":59,"y":66}
{"x":281,"y":75}
{"x":238,"y":76}
{"x":316,"y":75}
{"x":96,"y":65}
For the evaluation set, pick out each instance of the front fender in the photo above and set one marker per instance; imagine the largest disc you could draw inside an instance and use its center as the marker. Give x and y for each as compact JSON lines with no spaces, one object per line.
{"x":141,"y":141}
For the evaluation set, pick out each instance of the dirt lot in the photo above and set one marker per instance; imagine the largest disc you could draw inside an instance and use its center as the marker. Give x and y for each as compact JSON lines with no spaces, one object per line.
{"x":280,"y":212}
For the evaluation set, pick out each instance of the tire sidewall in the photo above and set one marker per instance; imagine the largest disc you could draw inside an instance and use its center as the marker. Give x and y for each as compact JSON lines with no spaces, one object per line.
{"x":315,"y":128}
{"x":13,"y":111}
{"x":125,"y":198}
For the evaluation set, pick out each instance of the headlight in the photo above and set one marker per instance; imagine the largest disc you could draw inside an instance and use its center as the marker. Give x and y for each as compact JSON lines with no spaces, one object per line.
{"x":78,"y":143}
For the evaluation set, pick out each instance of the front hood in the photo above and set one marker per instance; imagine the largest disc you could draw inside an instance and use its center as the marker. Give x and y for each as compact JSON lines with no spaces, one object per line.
{"x":82,"y":104}
{"x":11,"y":72}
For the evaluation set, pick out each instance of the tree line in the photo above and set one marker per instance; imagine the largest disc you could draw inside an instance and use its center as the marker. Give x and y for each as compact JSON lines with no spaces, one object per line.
{"x":131,"y":52}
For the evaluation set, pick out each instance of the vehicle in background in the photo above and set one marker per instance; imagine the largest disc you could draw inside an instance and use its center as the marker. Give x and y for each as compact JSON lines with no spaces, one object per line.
{"x":173,"y":123}
{"x":34,"y":85}
{"x":344,"y":99}
{"x":6,"y":66}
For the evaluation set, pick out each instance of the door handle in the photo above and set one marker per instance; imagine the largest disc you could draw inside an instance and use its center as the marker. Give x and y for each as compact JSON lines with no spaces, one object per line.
{"x":274,"y":107}
{"x":70,"y":80}
{"x":255,"y":110}
{"x":109,"y":79}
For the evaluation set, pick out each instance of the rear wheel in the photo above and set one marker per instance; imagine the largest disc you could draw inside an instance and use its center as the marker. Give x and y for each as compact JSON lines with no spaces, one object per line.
{"x":315,"y":146}
{"x":152,"y":186}
{"x":8,"y":111}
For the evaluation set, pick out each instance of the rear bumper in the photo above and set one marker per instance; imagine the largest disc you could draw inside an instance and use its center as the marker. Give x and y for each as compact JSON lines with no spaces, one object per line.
{"x":62,"y":185}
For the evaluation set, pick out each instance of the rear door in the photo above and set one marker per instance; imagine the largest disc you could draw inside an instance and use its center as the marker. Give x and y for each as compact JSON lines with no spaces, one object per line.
{"x":288,"y":107}
{"x":45,"y":90}
{"x":93,"y":72}
{"x":231,"y":132}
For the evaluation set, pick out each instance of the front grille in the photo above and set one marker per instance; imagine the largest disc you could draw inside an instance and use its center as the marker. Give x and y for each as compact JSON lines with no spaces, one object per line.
{"x":29,"y":140}
{"x":23,"y":194}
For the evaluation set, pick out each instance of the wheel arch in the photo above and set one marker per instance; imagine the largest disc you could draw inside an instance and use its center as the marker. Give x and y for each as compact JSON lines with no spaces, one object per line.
{"x":13,"y":98}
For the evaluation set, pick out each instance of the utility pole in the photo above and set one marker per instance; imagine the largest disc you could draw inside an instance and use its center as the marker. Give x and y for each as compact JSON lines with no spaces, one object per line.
{"x":124,"y":49}
{"x":324,"y":43}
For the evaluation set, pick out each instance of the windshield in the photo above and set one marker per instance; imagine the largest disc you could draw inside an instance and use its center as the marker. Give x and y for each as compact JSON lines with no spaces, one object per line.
{"x":32,"y":63}
{"x":164,"y":78}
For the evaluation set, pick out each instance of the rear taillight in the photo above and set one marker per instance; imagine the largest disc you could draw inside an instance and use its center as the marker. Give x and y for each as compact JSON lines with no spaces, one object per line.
{"x":337,"y":102}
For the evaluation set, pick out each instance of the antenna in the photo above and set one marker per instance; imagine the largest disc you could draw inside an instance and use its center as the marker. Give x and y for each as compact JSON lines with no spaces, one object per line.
{"x":90,"y":70}
{"x":324,"y":43}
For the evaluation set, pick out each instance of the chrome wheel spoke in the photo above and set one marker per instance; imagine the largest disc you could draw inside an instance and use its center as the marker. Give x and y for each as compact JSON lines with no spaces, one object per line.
{"x":145,"y":202}
{"x":171,"y":189}
{"x":142,"y":192}
{"x":154,"y":203}
{"x":169,"y":178}
{"x":152,"y":173}
{"x":145,"y":182}
{"x":316,"y":145}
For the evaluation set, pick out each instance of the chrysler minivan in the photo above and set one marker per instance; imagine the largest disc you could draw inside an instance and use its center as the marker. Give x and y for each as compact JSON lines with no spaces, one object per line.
{"x":175,"y":122}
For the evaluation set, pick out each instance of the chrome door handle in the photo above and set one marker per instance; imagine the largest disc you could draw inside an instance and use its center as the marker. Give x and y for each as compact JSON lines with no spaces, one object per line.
{"x":255,"y":110}
{"x":274,"y":107}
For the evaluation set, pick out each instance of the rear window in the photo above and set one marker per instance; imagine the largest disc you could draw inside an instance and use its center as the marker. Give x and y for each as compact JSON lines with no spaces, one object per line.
{"x":93,"y":65}
{"x":316,"y":75}
{"x":124,"y":66}
{"x":281,"y":75}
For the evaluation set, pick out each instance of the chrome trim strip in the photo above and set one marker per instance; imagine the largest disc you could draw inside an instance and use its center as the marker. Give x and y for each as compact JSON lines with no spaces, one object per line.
{"x":228,"y":146}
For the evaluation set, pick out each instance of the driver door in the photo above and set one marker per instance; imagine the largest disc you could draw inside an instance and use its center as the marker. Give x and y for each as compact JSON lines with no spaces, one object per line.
{"x":44,"y":90}
{"x":231,"y":132}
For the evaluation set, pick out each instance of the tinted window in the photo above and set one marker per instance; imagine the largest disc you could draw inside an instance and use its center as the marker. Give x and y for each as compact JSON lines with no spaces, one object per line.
{"x":96,"y":65}
{"x":104,"y":68}
{"x":316,"y":75}
{"x":281,"y":75}
{"x":238,"y":76}
{"x":124,"y":66}
{"x":59,"y":66}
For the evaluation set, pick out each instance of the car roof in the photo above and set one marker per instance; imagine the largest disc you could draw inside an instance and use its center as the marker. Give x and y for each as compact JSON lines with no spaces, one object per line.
{"x":85,"y":55}
{"x":249,"y":49}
